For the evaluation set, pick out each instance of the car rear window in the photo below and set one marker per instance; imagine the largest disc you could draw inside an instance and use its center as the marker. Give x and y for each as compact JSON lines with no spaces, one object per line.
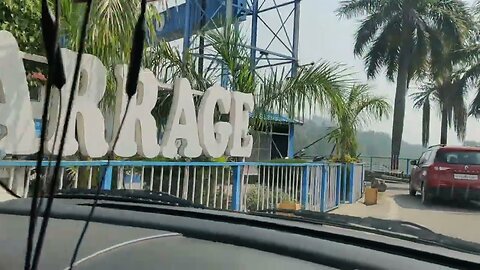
{"x":458,"y":157}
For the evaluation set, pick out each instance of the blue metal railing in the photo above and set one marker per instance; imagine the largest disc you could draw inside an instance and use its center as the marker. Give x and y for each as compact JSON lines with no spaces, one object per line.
{"x":239,"y":186}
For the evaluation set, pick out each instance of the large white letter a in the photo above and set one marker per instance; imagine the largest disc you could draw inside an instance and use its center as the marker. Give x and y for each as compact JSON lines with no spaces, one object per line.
{"x":181,"y":124}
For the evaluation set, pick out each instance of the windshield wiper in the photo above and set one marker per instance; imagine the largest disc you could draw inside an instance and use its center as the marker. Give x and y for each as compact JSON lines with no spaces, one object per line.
{"x":393,"y":228}
{"x":130,"y":196}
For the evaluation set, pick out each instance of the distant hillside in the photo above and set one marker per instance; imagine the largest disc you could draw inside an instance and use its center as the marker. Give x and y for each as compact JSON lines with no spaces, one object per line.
{"x":370,"y":143}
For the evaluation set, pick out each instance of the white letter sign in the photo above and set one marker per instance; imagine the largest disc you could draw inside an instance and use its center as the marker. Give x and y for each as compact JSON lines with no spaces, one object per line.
{"x":241,"y":143}
{"x":214,"y":137}
{"x":181,"y":124}
{"x":185,"y":134}
{"x":15,"y":109}
{"x":139,"y":132}
{"x":85,"y":116}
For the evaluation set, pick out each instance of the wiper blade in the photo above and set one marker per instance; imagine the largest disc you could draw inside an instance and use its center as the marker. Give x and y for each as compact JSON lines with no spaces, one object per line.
{"x":393,"y":228}
{"x":131,"y":196}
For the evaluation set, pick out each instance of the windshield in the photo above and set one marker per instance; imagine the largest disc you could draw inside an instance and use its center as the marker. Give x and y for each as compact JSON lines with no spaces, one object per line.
{"x":458,"y":157}
{"x":326,"y":106}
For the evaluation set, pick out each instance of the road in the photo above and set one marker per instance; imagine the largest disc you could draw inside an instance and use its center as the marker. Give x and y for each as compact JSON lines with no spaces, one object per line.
{"x":448,"y":218}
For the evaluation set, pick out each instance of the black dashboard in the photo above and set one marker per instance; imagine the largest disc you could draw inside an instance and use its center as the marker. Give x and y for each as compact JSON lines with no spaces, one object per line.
{"x":132,"y":236}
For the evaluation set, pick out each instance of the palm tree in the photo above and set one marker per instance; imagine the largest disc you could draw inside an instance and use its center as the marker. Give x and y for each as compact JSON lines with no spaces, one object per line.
{"x":447,"y":86}
{"x":450,"y":98}
{"x":357,"y":107}
{"x":400,"y":36}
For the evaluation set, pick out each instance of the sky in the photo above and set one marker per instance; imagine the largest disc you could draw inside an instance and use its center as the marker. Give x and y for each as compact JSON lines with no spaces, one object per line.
{"x":324,"y":36}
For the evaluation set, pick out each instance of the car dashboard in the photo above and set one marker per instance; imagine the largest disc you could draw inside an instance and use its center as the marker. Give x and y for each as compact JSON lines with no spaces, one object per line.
{"x":132,"y":236}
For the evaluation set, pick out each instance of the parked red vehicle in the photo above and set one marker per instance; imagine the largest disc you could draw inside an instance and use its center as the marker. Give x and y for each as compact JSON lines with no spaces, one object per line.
{"x":447,"y":172}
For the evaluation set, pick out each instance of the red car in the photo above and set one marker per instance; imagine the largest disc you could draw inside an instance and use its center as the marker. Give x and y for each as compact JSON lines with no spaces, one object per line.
{"x":447,"y":172}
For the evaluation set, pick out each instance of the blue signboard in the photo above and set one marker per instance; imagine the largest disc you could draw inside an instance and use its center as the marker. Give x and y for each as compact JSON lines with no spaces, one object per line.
{"x":173,"y":19}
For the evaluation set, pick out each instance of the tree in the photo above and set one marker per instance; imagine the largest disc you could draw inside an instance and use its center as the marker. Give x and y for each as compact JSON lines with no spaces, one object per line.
{"x":404,"y":37}
{"x":471,"y":55}
{"x":450,"y":99}
{"x":357,"y":107}
{"x":447,"y":86}
{"x":22,"y":19}
{"x":110,"y":30}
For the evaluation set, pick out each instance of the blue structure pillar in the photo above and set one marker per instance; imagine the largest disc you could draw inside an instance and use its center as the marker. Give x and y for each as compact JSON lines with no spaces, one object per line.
{"x":107,"y":174}
{"x":323,"y":188}
{"x":344,"y":181}
{"x":296,"y":36}
{"x":339,"y":184}
{"x":408,"y":167}
{"x":305,"y":187}
{"x":291,"y":142}
{"x":237,"y":188}
{"x":187,"y":31}
{"x":253,"y":37}
{"x":351,"y":183}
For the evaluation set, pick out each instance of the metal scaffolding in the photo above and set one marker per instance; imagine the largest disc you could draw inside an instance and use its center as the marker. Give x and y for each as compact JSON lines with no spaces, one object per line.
{"x":272,"y":28}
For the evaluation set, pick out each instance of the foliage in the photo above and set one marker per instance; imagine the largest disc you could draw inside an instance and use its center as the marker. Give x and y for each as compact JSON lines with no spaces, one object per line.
{"x":344,"y":159}
{"x":109,"y":34}
{"x":427,"y":26}
{"x":450,"y":98}
{"x":231,"y":48}
{"x":447,"y":86}
{"x":314,"y":87}
{"x":357,"y":107}
{"x":254,"y":196}
{"x":288,"y":161}
{"x":167,"y":63}
{"x":22,"y":19}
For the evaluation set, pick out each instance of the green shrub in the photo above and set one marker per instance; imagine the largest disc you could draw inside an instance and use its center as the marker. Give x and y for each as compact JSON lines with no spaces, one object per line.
{"x":287,"y":161}
{"x":254,"y":196}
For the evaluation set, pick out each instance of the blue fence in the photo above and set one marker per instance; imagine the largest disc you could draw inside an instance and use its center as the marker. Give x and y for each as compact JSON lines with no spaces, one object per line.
{"x":239,"y":186}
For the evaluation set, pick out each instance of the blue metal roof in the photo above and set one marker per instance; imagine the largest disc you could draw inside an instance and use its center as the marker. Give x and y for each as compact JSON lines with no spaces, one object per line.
{"x":274,"y":117}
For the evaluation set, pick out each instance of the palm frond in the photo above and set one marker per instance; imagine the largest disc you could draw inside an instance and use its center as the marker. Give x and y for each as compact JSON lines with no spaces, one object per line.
{"x":451,"y":18}
{"x":354,"y":8}
{"x":474,"y":109}
{"x":357,"y":107}
{"x":428,"y":92}
{"x":313,"y":87}
{"x":231,"y":47}
{"x":367,"y":31}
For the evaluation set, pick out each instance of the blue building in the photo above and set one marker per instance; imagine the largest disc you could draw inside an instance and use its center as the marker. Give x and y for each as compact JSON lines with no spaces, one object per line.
{"x":275,"y":140}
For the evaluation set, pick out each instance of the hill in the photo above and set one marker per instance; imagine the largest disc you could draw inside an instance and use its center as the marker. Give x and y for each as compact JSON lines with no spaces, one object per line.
{"x":371,"y":143}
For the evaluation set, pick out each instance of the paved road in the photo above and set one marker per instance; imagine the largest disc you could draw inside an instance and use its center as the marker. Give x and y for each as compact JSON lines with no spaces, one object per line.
{"x":447,"y":218}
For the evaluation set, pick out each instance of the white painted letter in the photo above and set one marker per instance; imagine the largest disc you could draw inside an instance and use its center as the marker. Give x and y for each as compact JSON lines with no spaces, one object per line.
{"x":241,"y":143}
{"x":15,"y":109}
{"x":181,"y":124}
{"x":139,"y":132}
{"x":214,"y":137}
{"x":85,"y":115}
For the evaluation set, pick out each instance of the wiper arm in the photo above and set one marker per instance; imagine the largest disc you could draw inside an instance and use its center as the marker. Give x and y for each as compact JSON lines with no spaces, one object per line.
{"x":396,"y":228}
{"x":132,"y":196}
